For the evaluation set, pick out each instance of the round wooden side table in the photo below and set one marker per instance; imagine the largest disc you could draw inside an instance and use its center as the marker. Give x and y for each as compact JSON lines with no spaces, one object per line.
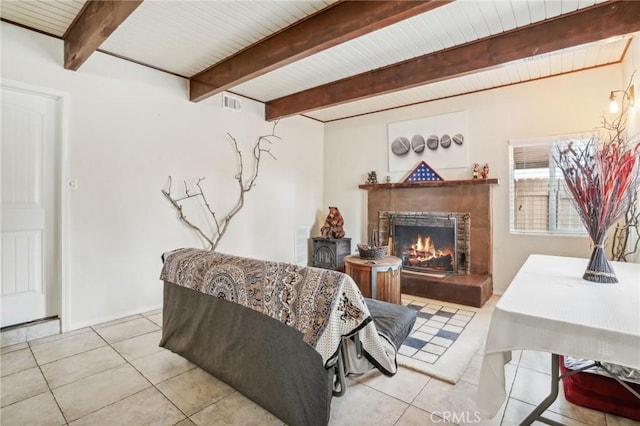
{"x":376,"y":278}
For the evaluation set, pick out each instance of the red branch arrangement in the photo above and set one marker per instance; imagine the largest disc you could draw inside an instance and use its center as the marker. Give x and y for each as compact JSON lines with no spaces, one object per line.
{"x":602,"y":181}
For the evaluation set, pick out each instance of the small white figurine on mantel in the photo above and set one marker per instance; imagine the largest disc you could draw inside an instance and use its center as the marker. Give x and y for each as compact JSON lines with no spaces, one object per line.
{"x":476,"y":171}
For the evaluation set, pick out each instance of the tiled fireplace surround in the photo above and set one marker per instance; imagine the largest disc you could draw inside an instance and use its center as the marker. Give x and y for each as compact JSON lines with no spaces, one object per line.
{"x":473,"y":197}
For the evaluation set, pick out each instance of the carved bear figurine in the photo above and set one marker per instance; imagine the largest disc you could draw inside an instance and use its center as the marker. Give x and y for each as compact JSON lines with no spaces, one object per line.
{"x":333,"y":224}
{"x":485,"y":171}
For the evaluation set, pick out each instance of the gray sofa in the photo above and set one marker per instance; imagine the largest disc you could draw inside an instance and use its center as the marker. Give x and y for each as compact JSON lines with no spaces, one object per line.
{"x":264,"y":359}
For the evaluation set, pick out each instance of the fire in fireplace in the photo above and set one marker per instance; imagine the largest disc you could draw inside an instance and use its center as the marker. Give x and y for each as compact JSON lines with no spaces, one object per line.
{"x":426,"y":243}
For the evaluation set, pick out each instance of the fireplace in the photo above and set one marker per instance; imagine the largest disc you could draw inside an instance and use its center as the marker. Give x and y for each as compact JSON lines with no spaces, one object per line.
{"x":435,"y":243}
{"x":426,"y":242}
{"x":469,"y":202}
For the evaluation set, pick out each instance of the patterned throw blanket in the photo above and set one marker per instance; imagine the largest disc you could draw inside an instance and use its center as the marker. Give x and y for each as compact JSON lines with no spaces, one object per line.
{"x":323,"y":305}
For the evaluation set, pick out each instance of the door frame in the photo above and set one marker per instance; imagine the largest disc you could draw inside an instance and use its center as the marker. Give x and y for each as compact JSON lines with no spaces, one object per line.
{"x":63,"y":166}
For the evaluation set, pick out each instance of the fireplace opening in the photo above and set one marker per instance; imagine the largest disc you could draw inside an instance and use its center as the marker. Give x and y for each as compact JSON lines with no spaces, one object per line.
{"x":471,"y":284}
{"x":448,"y":232}
{"x":426,"y":248}
{"x":426,"y":243}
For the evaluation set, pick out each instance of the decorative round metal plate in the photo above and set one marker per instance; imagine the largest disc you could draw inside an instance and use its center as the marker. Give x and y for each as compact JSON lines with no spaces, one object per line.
{"x":432,"y":142}
{"x":417,"y":143}
{"x":400,"y":145}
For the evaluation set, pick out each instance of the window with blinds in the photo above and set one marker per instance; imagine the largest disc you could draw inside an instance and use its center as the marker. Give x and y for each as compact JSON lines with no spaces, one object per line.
{"x":540,"y":201}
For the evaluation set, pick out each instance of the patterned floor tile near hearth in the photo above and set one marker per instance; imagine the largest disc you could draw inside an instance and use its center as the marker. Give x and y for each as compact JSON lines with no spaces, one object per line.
{"x":444,"y":339}
{"x":437,"y":328}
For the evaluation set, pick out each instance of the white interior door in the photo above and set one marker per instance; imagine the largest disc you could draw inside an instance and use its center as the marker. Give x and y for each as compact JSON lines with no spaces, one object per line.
{"x":30,"y":205}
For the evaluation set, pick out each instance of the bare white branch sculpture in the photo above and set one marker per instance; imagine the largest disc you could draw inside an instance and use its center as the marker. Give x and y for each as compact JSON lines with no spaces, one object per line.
{"x":245,"y":186}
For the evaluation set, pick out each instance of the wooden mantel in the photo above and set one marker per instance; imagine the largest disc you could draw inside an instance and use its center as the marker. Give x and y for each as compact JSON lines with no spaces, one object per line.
{"x":427,"y":184}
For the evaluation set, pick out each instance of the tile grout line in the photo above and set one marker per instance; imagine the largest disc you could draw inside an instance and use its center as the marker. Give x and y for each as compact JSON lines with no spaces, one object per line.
{"x":223,"y":398}
{"x":99,"y":372}
{"x":141,"y":374}
{"x":64,"y":417}
{"x":409,"y":404}
{"x":419,"y":392}
{"x":89,"y":330}
{"x":138,"y":371}
{"x":117,"y":321}
{"x":504,"y":412}
{"x":88,"y":350}
{"x":518,"y":367}
{"x":403,"y":413}
{"x":95,"y":330}
{"x":117,"y":366}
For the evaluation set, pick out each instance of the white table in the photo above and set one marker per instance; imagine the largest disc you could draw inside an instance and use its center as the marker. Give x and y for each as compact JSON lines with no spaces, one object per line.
{"x":548,"y":307}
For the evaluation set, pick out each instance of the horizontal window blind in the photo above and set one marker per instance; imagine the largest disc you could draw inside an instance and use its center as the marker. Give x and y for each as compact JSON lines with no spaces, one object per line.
{"x":531,"y":157}
{"x":539,"y":201}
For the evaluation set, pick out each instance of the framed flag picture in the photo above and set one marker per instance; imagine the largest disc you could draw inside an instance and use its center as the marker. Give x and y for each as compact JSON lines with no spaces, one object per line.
{"x":423,"y":173}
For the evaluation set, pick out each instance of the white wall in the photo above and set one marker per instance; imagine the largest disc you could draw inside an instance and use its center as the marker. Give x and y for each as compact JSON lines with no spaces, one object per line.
{"x":129,"y":128}
{"x":561,"y":105}
{"x":630,"y":65}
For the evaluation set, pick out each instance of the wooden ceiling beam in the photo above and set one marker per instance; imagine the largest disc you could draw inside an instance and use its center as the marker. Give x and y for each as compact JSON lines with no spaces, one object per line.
{"x":342,"y":22}
{"x":93,"y":25}
{"x":598,"y":22}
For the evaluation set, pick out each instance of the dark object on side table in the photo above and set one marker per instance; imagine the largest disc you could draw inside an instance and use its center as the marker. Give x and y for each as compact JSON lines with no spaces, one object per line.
{"x":370,"y":252}
{"x":329,"y":253}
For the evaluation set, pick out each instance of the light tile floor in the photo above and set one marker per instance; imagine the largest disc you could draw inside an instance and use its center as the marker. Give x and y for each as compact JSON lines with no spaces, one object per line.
{"x":115,"y":374}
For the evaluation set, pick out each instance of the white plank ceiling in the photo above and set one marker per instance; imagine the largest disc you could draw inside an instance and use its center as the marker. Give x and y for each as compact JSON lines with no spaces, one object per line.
{"x":186,"y":37}
{"x":586,"y":56}
{"x":51,"y":17}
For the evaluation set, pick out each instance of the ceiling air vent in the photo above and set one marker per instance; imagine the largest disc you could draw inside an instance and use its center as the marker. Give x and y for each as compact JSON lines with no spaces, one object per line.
{"x":231,"y":102}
